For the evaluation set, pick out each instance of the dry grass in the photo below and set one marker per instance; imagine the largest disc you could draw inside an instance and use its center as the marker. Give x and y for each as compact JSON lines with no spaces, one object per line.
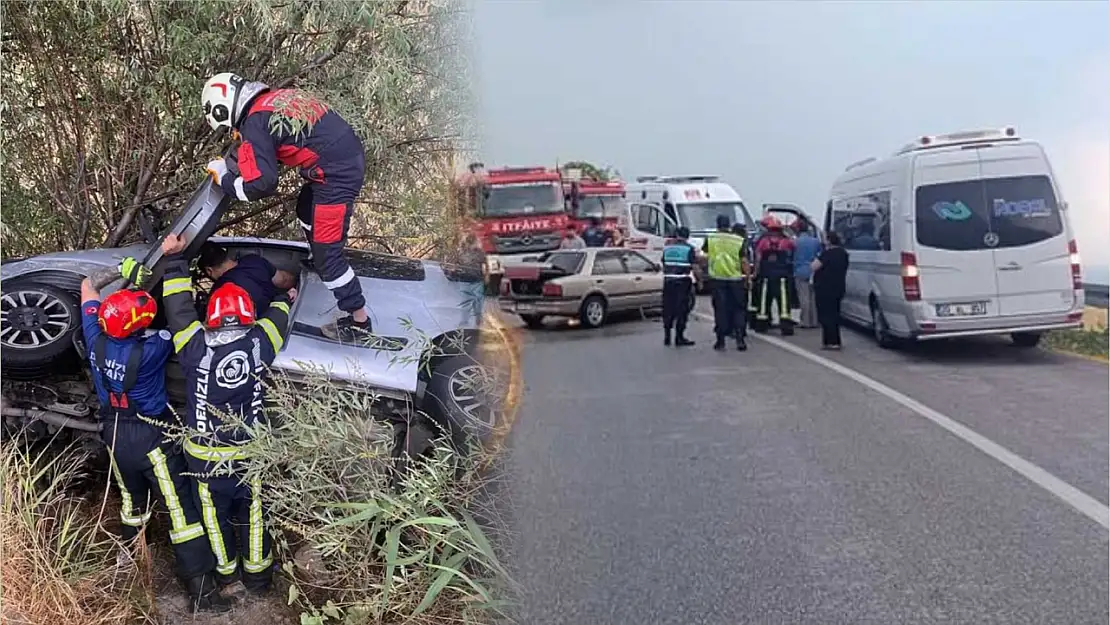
{"x":57,"y":566}
{"x":1095,"y":318}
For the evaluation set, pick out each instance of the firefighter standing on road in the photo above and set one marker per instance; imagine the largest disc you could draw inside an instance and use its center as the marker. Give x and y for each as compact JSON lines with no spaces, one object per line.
{"x":289,"y":127}
{"x":679,"y":258}
{"x":129,"y":369}
{"x":726,"y":277}
{"x":224,"y":359}
{"x":774,"y":270}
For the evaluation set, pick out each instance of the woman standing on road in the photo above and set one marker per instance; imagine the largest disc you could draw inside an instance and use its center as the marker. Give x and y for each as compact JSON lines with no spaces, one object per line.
{"x":830,"y":269}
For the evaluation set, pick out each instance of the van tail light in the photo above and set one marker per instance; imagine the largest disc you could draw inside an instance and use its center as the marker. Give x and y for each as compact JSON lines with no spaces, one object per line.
{"x":552,"y":290}
{"x":911,"y":278}
{"x":504,"y":287}
{"x":1076,"y":265}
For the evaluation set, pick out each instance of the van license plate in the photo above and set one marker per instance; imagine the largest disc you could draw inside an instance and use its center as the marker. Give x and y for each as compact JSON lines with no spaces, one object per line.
{"x":962,"y":310}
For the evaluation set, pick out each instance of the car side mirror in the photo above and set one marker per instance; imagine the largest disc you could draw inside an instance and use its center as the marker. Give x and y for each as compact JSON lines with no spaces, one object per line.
{"x":656,"y":267}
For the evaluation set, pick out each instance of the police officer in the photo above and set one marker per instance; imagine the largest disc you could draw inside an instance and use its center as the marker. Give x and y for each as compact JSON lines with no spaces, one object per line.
{"x":224,"y":359}
{"x":595,"y":235}
{"x":128,"y":372}
{"x":726,"y":276}
{"x":291,"y":128}
{"x":678,"y":263}
{"x":774,"y":276}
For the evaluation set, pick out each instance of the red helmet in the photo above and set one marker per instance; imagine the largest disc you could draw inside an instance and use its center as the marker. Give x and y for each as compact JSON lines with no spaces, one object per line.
{"x":230,"y":306}
{"x":126,"y":312}
{"x":771,"y":222}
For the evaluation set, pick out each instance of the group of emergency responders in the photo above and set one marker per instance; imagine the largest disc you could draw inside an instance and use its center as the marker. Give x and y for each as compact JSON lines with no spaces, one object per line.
{"x":742,"y":293}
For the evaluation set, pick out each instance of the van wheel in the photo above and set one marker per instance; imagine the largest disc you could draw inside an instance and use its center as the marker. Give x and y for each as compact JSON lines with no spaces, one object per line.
{"x":1026,"y":339}
{"x":592,"y":312}
{"x":37,"y":327}
{"x":879,"y":327}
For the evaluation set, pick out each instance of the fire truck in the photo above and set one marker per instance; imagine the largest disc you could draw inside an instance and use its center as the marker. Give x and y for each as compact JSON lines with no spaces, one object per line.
{"x":515,"y":212}
{"x":589,"y":198}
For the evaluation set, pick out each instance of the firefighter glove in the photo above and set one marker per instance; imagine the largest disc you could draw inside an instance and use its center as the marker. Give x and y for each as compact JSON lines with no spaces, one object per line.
{"x":133,"y":271}
{"x":217,"y":168}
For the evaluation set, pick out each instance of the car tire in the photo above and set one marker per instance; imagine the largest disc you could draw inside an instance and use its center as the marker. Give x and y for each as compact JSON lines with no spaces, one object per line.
{"x":1026,"y":339}
{"x":534,"y":322}
{"x":879,"y":328}
{"x":593,"y":312}
{"x":36,"y":313}
{"x":454,"y":404}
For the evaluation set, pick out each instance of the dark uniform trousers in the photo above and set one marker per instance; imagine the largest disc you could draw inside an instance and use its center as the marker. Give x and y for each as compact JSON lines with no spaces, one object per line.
{"x":775,"y":291}
{"x":144,"y":463}
{"x":676,"y":303}
{"x":730,"y":299}
{"x":233,"y":512}
{"x":325,"y":216}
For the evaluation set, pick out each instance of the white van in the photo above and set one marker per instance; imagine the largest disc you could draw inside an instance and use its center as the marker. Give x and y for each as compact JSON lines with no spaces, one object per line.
{"x":657,"y":205}
{"x":957,"y":235}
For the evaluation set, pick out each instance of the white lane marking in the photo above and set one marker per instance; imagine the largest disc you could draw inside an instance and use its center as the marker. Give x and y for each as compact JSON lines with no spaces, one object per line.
{"x":1084,"y":503}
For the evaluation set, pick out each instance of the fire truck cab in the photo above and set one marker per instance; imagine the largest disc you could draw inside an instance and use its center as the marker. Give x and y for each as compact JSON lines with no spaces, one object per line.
{"x":588,"y":199}
{"x":516,"y":211}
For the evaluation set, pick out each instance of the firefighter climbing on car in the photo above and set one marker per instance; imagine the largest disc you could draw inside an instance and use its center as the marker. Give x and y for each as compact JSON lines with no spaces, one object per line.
{"x":291,"y":128}
{"x":774,"y":276}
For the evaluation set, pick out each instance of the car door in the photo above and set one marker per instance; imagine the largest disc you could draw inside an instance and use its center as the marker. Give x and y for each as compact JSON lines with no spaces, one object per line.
{"x":647,"y":279}
{"x":611,"y":278}
{"x":198,"y":220}
{"x":1032,"y":255}
{"x":647,"y":227}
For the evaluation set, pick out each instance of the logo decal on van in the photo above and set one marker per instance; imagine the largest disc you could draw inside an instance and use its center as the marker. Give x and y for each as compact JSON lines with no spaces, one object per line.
{"x":990,"y":239}
{"x":1021,"y":208}
{"x":952,"y":211}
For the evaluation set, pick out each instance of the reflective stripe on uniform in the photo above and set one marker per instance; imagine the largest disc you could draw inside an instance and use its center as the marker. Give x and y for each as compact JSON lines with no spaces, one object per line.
{"x":127,"y":514}
{"x":763,"y":288}
{"x":273,"y":333}
{"x":173,"y":286}
{"x":181,"y":530}
{"x":214,"y":453}
{"x":282,"y":306}
{"x":224,"y":564}
{"x":239,"y":192}
{"x":784,"y":303}
{"x":341,"y":280}
{"x":182,"y":338}
{"x":256,"y":561}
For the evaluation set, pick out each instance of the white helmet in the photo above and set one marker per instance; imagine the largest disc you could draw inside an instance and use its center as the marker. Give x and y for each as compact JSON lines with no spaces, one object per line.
{"x":224,"y":98}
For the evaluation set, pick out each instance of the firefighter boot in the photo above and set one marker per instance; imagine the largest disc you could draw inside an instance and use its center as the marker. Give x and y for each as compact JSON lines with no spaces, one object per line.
{"x":205,"y":595}
{"x":680,"y":340}
{"x":741,"y":344}
{"x":667,"y":336}
{"x":720,"y":344}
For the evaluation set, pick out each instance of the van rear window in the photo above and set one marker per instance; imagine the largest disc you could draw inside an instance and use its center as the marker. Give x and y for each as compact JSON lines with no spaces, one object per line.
{"x":987,"y":214}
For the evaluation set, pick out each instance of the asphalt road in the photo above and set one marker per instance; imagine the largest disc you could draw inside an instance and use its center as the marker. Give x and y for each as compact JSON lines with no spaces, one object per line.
{"x":653,"y":485}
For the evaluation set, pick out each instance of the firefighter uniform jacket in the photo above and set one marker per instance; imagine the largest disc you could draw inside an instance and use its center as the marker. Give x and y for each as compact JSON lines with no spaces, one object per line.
{"x":289,"y":127}
{"x":222,"y":377}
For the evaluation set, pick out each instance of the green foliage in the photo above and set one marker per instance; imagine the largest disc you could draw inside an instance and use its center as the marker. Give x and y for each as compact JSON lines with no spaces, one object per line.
{"x":1094,"y":343}
{"x":102,"y":114}
{"x":591,"y":171}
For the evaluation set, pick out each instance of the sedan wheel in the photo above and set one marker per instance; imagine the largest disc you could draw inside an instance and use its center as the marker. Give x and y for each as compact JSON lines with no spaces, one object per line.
{"x":593,"y":311}
{"x":37,"y":323}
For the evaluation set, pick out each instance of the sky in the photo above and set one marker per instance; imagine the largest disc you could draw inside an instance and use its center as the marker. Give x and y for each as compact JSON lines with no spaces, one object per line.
{"x":778,"y":97}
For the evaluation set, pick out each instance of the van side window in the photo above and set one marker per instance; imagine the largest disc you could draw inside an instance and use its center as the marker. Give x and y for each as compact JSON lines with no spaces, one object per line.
{"x":862,"y":221}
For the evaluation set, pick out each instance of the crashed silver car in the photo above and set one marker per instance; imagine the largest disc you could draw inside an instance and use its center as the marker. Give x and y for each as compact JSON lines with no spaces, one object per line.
{"x":421,"y":363}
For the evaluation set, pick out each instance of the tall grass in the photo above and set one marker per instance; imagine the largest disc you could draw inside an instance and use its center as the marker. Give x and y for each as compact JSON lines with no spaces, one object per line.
{"x":358,"y":545}
{"x":57,"y":566}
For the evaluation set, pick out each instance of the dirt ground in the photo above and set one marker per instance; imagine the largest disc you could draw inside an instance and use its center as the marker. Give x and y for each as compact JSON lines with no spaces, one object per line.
{"x":1095,"y":318}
